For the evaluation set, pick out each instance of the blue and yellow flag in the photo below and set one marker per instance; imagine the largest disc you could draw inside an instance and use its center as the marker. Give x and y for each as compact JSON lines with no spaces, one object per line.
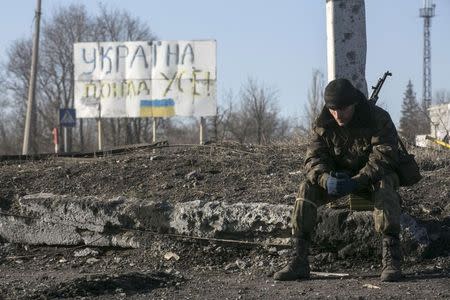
{"x":157,"y":108}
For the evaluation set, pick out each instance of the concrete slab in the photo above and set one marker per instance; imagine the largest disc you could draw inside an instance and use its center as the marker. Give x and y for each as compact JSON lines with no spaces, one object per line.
{"x":129,"y":222}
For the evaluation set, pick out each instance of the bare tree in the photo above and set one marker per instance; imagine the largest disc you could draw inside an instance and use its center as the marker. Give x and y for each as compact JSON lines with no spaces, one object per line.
{"x":68,"y":25}
{"x":16,"y":80}
{"x":55,"y":70}
{"x":221,"y":121}
{"x":442,"y":96}
{"x":55,"y":82}
{"x":256,"y":118}
{"x":8,"y":139}
{"x":315,"y":99}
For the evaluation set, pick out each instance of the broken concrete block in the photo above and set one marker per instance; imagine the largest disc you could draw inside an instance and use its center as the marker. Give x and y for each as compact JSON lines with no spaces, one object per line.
{"x":221,"y":219}
{"x":129,"y":222}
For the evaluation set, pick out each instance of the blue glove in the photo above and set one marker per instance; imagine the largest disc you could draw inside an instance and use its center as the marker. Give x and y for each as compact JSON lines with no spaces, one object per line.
{"x":340,"y":184}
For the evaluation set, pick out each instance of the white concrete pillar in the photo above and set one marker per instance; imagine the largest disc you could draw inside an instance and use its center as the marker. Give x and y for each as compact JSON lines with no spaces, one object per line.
{"x":346,"y":41}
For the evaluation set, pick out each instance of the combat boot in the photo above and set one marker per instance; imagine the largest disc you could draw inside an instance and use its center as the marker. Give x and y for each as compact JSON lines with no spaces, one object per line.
{"x":391,"y":259}
{"x":298,"y":267}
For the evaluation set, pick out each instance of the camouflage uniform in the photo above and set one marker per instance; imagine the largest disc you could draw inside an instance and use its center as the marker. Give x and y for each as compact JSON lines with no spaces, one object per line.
{"x":365,"y":149}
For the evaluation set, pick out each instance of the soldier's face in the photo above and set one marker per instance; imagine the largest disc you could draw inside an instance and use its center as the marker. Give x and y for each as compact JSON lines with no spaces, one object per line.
{"x":343,"y":115}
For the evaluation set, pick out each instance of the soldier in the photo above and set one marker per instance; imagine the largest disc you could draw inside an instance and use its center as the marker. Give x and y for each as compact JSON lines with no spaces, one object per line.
{"x":353,"y":149}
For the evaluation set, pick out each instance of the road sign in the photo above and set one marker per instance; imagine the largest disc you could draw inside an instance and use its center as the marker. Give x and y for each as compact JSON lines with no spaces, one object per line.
{"x":67,"y":117}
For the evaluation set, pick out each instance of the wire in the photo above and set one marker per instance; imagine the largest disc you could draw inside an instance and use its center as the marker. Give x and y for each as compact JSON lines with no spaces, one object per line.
{"x":173,"y":235}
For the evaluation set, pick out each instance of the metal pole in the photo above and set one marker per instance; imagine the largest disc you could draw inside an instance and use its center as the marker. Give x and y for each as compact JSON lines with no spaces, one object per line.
{"x":99,"y":128}
{"x":32,"y":82}
{"x":154,"y":130}
{"x":203,"y":131}
{"x":65,"y":139}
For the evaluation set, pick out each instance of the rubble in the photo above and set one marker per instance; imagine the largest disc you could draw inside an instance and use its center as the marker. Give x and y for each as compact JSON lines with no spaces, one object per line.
{"x":141,"y":209}
{"x":129,"y":222}
{"x":85,"y":252}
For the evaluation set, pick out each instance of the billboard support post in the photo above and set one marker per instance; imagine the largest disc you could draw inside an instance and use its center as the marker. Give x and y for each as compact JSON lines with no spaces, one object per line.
{"x":203,"y":131}
{"x":99,"y":128}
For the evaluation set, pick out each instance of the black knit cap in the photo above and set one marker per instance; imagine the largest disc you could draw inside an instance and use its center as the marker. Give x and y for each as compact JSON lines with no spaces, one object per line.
{"x":340,"y":93}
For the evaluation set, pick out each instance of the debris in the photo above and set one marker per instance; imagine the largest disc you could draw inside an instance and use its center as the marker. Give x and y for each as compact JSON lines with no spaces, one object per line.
{"x":447,"y":210}
{"x":62,"y":260}
{"x":92,"y":260}
{"x":424,"y":209}
{"x":296,"y":172}
{"x":85,"y":252}
{"x":191,"y":175}
{"x":170,"y":255}
{"x":194,"y":175}
{"x":326,"y":274}
{"x":241,"y":264}
{"x":289,"y":197}
{"x":166,"y":186}
{"x":415,"y":232}
{"x":171,"y":271}
{"x":347,"y":251}
{"x":231,"y":266}
{"x":371,"y":286}
{"x":284,"y":252}
{"x":272,"y":250}
{"x":325,"y":258}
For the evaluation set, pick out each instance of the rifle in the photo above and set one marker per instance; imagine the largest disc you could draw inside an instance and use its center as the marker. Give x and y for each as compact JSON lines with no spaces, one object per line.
{"x":408,"y":170}
{"x":376,"y":89}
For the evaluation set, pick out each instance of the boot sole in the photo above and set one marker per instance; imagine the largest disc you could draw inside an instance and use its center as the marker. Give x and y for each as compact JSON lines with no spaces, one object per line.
{"x":281,"y":278}
{"x":391,"y":278}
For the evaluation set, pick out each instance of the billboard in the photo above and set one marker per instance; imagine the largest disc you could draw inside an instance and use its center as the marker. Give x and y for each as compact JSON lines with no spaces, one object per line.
{"x":145,"y":79}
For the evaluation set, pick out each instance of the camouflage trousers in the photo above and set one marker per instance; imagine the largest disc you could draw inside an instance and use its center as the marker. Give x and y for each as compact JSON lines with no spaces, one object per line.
{"x":384,"y":195}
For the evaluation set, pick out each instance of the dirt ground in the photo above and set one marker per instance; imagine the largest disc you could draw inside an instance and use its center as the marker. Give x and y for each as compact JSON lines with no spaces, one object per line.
{"x":201,"y":270}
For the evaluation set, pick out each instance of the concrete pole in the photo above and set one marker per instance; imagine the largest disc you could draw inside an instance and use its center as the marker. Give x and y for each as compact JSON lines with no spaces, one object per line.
{"x":346,"y":41}
{"x":32,"y":83}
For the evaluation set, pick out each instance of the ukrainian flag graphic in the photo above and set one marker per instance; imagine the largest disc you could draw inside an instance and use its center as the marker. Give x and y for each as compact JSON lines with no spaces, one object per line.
{"x":157,"y":108}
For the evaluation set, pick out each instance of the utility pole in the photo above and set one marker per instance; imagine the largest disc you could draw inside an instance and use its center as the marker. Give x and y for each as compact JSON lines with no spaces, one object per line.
{"x":346,"y":41}
{"x":32,"y":83}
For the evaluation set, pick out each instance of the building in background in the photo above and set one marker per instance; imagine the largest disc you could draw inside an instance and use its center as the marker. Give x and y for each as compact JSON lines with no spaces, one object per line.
{"x":439,"y":125}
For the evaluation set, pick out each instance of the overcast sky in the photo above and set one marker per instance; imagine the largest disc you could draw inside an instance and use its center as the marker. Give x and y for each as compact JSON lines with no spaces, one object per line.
{"x":279,"y":42}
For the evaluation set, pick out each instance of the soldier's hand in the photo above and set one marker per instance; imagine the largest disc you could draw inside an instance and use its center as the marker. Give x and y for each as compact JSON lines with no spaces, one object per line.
{"x":332,"y":185}
{"x":346,"y":186}
{"x":340,"y":184}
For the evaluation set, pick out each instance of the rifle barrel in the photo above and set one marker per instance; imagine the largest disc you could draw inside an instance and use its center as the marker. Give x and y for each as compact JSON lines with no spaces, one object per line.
{"x":376,"y":89}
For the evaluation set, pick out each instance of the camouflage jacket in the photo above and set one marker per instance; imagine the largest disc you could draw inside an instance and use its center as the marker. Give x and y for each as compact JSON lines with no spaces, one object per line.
{"x":366,"y":148}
